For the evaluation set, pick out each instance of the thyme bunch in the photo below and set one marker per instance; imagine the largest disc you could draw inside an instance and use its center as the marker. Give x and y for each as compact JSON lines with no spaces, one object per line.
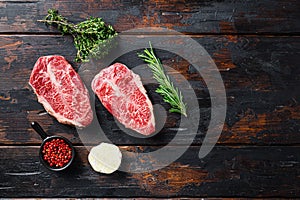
{"x":88,"y":35}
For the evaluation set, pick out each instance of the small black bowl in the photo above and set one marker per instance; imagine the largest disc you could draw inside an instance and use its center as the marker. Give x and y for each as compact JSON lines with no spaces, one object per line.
{"x":47,"y":138}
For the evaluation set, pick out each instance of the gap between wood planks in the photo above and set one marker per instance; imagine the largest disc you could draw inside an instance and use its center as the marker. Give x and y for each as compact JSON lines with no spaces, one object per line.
{"x":233,"y":145}
{"x":291,"y":34}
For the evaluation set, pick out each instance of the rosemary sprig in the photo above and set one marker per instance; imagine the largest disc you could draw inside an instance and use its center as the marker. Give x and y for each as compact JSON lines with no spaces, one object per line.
{"x":166,"y":88}
{"x":88,"y":35}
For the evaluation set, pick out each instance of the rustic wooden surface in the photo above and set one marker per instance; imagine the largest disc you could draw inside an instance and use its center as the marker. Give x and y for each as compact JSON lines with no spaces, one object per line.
{"x":255,"y":45}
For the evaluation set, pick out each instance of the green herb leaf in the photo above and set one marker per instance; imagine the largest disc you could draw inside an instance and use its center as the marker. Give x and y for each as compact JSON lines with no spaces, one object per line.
{"x":166,"y":89}
{"x":88,"y":35}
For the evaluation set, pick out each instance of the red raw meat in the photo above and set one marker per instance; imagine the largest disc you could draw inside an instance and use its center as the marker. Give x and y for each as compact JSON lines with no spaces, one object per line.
{"x":122,"y":93}
{"x":59,"y":88}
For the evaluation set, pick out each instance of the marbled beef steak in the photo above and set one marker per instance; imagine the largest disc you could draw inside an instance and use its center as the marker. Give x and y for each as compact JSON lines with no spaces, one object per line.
{"x":123,"y":94}
{"x":59,"y":88}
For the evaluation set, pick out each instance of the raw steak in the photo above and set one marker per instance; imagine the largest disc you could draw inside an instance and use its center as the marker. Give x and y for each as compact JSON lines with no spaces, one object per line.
{"x":59,"y":88}
{"x":122,"y":93}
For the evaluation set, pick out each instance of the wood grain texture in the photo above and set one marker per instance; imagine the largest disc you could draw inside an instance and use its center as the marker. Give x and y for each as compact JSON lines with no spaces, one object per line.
{"x":255,"y":45}
{"x":265,"y":16}
{"x":260,"y":74}
{"x":225,"y":172}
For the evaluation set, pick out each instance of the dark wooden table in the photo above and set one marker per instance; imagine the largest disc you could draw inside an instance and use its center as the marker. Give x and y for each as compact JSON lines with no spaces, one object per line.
{"x":256,"y":47}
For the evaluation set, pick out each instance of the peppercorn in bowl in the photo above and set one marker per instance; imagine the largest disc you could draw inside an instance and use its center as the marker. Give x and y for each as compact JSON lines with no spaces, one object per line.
{"x":56,"y":153}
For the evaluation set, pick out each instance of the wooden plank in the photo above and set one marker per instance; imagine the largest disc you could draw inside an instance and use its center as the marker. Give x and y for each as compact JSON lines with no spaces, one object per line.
{"x":194,"y":16}
{"x":260,"y":74}
{"x":245,"y":57}
{"x":225,"y":172}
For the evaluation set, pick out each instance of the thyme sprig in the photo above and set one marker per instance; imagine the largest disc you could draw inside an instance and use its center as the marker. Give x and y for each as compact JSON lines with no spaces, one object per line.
{"x":88,"y":35}
{"x":166,"y":89}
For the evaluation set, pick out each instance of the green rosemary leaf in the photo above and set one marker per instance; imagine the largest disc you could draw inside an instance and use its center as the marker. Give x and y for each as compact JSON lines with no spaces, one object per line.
{"x":166,"y":89}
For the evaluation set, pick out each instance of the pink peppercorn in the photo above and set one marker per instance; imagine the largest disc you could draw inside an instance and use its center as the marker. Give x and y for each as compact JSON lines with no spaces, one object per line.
{"x":57,"y":153}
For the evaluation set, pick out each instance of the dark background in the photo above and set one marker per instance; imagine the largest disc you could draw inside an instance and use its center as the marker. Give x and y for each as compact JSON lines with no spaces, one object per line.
{"x":255,"y":45}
